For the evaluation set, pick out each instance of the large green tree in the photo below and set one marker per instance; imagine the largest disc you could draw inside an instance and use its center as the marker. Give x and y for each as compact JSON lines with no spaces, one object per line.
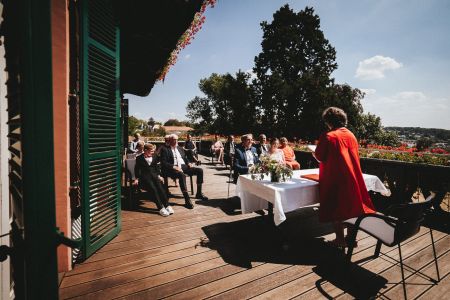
{"x":294,"y":82}
{"x":228,"y":105}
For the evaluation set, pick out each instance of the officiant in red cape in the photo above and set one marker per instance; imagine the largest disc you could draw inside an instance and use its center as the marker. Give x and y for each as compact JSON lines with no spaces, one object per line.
{"x":343,"y":193}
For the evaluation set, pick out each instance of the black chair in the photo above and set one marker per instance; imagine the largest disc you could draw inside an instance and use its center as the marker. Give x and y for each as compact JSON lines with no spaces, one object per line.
{"x":166,"y":183}
{"x":401,"y":222}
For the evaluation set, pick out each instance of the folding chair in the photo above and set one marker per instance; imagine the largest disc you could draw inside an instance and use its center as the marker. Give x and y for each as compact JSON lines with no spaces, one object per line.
{"x":402,"y":222}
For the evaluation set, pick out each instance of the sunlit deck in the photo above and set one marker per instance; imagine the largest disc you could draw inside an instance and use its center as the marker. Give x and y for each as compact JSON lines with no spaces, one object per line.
{"x":214,"y":251}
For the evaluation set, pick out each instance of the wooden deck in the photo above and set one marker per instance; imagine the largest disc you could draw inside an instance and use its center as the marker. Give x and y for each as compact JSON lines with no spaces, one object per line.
{"x":213,"y":251}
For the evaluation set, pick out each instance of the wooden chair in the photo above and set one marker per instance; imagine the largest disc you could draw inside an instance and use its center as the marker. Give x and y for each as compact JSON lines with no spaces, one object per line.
{"x":401,"y":222}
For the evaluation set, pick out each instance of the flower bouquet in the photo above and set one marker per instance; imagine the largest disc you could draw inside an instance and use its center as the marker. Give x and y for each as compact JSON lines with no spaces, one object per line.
{"x":278,"y":172}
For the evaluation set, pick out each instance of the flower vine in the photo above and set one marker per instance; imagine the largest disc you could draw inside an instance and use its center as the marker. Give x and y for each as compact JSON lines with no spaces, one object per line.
{"x":187,"y":37}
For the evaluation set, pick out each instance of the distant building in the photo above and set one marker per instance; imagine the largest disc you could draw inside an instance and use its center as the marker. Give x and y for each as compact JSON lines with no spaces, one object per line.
{"x":179,"y":130}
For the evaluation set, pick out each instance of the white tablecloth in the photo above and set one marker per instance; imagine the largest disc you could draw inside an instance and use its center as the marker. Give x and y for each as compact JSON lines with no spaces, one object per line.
{"x":288,"y":196}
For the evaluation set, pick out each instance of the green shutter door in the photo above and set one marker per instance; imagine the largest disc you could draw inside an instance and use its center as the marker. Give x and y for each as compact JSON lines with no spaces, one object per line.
{"x":100,"y":125}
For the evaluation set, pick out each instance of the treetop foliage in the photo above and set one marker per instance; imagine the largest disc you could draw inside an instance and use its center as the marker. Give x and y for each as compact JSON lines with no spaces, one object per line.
{"x":293,"y":86}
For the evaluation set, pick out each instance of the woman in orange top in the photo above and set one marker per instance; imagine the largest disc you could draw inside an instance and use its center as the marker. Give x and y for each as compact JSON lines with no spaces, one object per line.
{"x":289,"y":154}
{"x":342,"y":190}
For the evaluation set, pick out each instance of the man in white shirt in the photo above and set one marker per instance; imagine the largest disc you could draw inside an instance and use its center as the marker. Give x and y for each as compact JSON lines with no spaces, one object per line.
{"x":176,"y":165}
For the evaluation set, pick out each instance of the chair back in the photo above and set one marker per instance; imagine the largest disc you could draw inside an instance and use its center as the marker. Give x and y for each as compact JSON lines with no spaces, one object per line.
{"x":129,"y":165}
{"x":409,"y":217}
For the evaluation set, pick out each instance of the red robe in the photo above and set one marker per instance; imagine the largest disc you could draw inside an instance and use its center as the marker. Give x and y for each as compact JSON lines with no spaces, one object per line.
{"x":342,"y":190}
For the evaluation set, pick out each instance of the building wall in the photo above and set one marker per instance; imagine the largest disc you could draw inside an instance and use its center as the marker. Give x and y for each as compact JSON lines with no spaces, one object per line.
{"x":5,"y":283}
{"x":60,"y":68}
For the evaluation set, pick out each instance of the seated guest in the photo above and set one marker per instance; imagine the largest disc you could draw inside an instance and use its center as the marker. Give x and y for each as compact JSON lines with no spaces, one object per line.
{"x":217,"y":149}
{"x":289,"y":154}
{"x":190,"y":149}
{"x":133,"y":144}
{"x":228,"y":150}
{"x":262,"y":147}
{"x":147,"y":172}
{"x":176,"y":165}
{"x":245,"y":156}
{"x":274,"y":153}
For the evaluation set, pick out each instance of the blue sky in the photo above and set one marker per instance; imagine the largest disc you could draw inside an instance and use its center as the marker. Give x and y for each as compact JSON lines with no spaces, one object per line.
{"x":398,"y":52}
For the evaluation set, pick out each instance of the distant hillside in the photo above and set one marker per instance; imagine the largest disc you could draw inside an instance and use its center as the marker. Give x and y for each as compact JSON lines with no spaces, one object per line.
{"x":439,"y":135}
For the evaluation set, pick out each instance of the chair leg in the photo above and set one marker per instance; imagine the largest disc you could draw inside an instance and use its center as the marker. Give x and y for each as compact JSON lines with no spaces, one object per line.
{"x":192,"y":185}
{"x":401,"y":267}
{"x":435,"y":257}
{"x":351,"y":241}
{"x":377,"y":249}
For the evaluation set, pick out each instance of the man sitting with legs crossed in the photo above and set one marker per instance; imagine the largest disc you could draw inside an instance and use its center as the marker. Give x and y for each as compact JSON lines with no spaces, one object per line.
{"x":175,"y":164}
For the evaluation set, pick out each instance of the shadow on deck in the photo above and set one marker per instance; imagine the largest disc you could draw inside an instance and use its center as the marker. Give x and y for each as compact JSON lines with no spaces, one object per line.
{"x":214,"y":251}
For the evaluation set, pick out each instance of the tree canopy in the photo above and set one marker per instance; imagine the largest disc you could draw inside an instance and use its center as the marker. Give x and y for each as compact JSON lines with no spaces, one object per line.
{"x":292,"y":87}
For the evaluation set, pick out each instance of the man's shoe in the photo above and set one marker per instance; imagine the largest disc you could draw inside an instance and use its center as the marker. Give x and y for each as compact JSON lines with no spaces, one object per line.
{"x":201,"y":197}
{"x":170,"y":210}
{"x":189,"y":204}
{"x":163,"y":212}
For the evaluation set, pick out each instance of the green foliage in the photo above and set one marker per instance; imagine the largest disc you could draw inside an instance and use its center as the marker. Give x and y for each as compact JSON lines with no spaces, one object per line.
{"x":293,"y":86}
{"x":159,"y":132}
{"x":293,"y":73}
{"x":134,"y":125}
{"x":173,"y":122}
{"x":228,"y":106}
{"x":420,"y":158}
{"x":268,"y":166}
{"x":423,"y":143}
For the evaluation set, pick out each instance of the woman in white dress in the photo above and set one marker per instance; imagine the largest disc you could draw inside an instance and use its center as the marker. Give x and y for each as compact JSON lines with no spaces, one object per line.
{"x":275,"y":153}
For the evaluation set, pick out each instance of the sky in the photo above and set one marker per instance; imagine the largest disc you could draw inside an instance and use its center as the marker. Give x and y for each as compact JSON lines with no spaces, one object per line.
{"x":397,"y":52}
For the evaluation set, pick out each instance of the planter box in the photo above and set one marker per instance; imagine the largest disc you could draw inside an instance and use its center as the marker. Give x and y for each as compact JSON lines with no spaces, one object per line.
{"x":403,"y":178}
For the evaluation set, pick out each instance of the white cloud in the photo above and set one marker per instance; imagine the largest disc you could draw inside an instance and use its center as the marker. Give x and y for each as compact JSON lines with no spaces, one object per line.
{"x":368,"y":92}
{"x":172,"y":114}
{"x":187,"y":56}
{"x":410,"y":108}
{"x":375,"y":67}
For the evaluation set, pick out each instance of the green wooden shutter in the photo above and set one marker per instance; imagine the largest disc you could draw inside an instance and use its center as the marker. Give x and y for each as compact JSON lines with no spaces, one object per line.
{"x":100,"y":125}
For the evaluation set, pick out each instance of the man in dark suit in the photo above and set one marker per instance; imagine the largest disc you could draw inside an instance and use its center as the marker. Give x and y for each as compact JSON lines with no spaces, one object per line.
{"x":147,"y":177}
{"x":175,"y":164}
{"x":262,"y":147}
{"x":229,"y":150}
{"x":245,"y":156}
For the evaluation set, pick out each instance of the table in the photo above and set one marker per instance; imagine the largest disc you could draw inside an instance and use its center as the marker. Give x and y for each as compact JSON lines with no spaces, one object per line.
{"x":288,"y":196}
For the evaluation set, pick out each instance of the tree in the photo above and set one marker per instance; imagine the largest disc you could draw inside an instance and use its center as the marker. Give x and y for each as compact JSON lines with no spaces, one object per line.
{"x":423,"y":143}
{"x":228,"y":106}
{"x":173,"y":122}
{"x":293,"y":72}
{"x":151,"y":122}
{"x":134,"y":125}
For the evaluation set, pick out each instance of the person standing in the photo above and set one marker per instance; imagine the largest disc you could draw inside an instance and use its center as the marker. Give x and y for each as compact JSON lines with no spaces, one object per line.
{"x":191,"y":149}
{"x":342,"y":190}
{"x":133,"y":144}
{"x":229,"y":150}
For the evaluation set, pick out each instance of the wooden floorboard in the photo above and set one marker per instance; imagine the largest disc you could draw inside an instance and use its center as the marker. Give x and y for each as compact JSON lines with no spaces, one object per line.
{"x":215,"y":252}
